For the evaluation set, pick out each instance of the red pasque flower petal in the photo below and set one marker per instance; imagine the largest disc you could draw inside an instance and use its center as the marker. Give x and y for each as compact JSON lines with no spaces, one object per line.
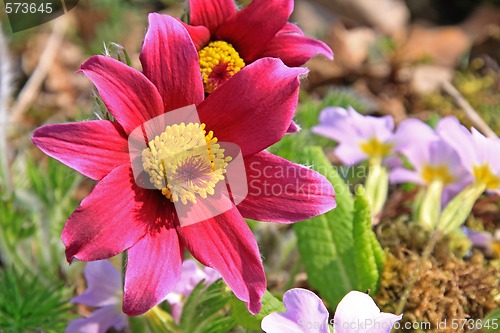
{"x":199,"y":34}
{"x":281,"y":191}
{"x":112,"y":218}
{"x":295,"y":49}
{"x":170,"y":60}
{"x":251,"y":28}
{"x":93,"y":148}
{"x":128,"y":95}
{"x":227,"y":244}
{"x":261,"y":115}
{"x":154,"y":266}
{"x":210,"y":13}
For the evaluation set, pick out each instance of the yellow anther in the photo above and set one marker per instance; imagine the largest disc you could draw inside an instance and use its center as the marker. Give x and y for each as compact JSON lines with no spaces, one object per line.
{"x":441,"y":173}
{"x":219,"y":61}
{"x":484,"y":175}
{"x":376,"y":149}
{"x":184,"y":162}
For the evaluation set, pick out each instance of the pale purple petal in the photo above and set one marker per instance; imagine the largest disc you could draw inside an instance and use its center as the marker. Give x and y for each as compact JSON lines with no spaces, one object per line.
{"x":104,"y":285}
{"x":487,"y":150}
{"x":479,"y":238}
{"x":413,"y":132}
{"x":350,"y":153}
{"x":211,"y":275}
{"x":190,"y":278}
{"x":401,"y":175}
{"x":347,"y":125}
{"x":100,"y":321}
{"x":351,"y":129}
{"x":358,"y":313}
{"x":460,"y":138}
{"x":305,"y":313}
{"x":413,"y":138}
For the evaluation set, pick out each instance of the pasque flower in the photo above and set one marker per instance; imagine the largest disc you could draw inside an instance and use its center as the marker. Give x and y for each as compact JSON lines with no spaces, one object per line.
{"x":360,"y":137}
{"x":229,"y":39}
{"x":253,"y":110}
{"x":104,"y":292}
{"x":306,"y":313}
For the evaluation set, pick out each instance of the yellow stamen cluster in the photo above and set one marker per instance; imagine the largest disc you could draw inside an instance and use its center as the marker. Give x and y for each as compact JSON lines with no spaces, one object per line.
{"x":218,"y":62}
{"x":484,"y":175}
{"x":376,"y":149}
{"x":437,"y":173}
{"x":184,"y":161}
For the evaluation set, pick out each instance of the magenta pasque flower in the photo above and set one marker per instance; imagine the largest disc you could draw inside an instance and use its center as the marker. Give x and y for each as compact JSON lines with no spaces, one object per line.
{"x":228,"y":39}
{"x":253,"y":110}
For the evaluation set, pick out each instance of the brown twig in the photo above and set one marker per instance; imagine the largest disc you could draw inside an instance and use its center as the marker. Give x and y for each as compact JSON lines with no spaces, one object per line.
{"x":31,"y":89}
{"x":472,"y":114}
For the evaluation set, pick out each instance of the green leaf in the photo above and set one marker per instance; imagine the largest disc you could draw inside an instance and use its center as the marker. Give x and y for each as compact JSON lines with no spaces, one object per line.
{"x":367,"y":271}
{"x":430,"y":208}
{"x":206,"y":309}
{"x":379,"y":255}
{"x":459,"y":208}
{"x":27,"y":305}
{"x":339,"y":249}
{"x":491,"y":323}
{"x":243,"y":318}
{"x":377,"y":185}
{"x":325,"y":241}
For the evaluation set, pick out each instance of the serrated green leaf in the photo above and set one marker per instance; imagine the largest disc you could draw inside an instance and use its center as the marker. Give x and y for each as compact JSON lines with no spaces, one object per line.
{"x":366,"y":265}
{"x":338,"y":258}
{"x":379,"y":255}
{"x":243,"y":318}
{"x":323,"y":240}
{"x":491,"y":323}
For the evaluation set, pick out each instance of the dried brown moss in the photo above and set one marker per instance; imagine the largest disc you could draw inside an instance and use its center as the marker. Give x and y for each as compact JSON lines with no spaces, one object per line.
{"x":448,"y":287}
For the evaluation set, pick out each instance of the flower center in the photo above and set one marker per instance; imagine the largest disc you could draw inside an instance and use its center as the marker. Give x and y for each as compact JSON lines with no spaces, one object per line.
{"x":441,"y":173}
{"x":184,"y":161}
{"x":483,"y":174}
{"x":375,"y":148}
{"x":218,"y":62}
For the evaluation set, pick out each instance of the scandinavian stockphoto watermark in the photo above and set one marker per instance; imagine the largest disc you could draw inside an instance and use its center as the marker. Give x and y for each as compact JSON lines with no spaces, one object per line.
{"x":203,"y":177}
{"x":26,"y":14}
{"x":175,"y":154}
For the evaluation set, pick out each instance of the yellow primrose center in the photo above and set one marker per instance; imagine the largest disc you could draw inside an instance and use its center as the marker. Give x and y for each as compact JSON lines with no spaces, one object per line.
{"x":219,"y":61}
{"x":484,"y":175}
{"x":184,"y":161}
{"x":375,"y":148}
{"x":433,"y":173}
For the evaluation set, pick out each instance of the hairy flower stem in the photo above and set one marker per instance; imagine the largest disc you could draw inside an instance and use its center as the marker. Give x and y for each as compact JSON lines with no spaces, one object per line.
{"x":435,"y":237}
